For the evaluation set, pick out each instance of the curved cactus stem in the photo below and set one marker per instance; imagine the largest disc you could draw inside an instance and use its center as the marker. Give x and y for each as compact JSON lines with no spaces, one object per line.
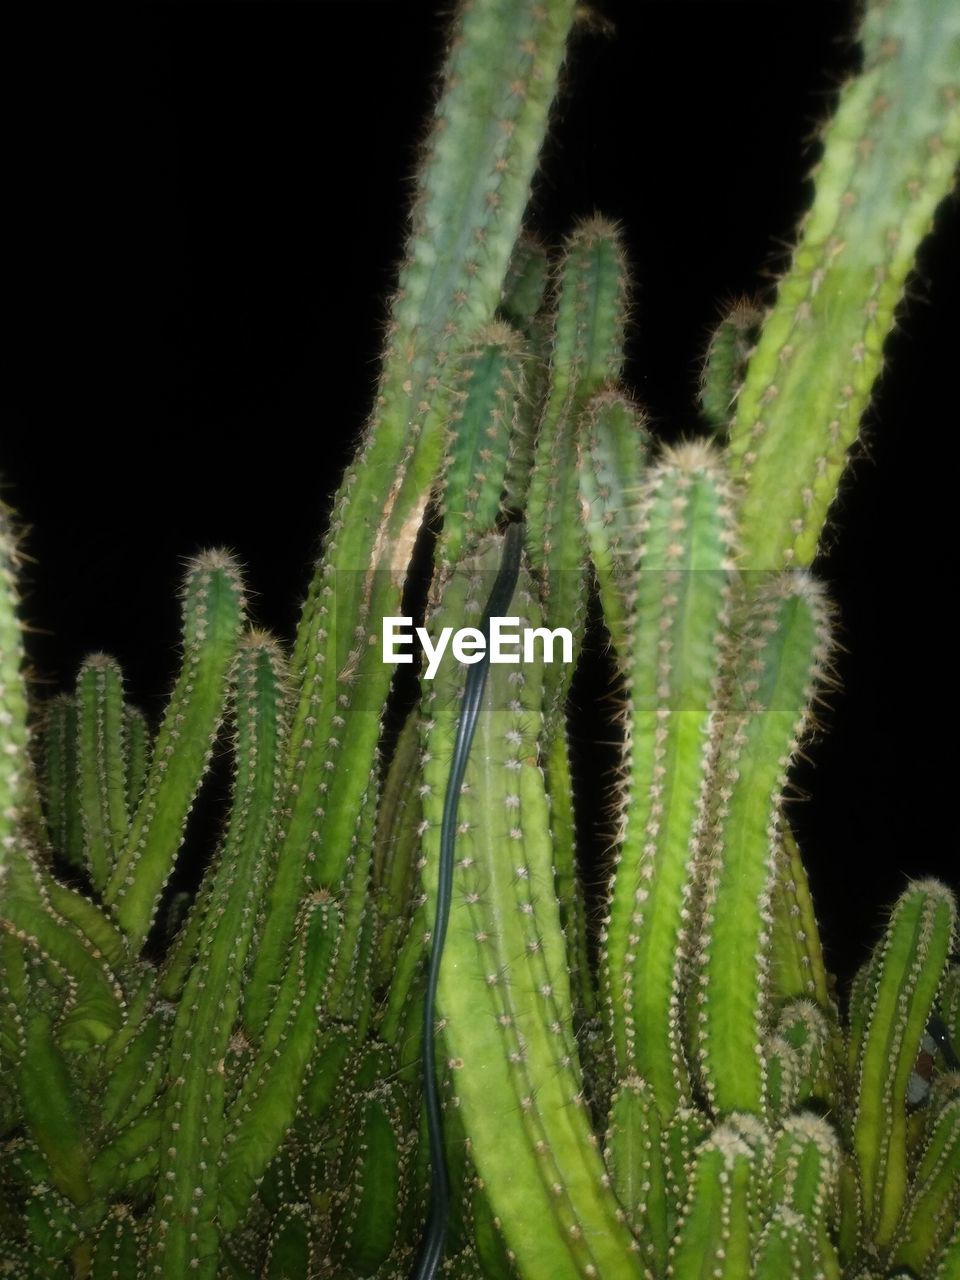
{"x":99,"y":932}
{"x":213,"y":608}
{"x":890,"y":155}
{"x":501,"y":76}
{"x":931,"y":1207}
{"x":101,"y":769}
{"x":783,"y":655}
{"x":680,"y":611}
{"x":503,"y":991}
{"x":95,"y":1010}
{"x":948,"y":1263}
{"x":908,"y":966}
{"x":48,"y":1098}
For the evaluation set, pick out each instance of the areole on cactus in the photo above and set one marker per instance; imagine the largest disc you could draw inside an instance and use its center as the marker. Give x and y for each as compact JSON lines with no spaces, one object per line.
{"x":393,"y":1034}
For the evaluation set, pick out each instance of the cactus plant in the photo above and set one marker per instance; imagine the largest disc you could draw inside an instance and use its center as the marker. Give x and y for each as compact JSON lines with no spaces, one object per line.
{"x":390,"y":1028}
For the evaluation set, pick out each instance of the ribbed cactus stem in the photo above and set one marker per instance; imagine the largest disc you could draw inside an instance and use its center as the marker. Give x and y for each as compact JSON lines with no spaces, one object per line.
{"x":100,"y":764}
{"x":213,"y":608}
{"x":64,"y":819}
{"x":187,"y":1205}
{"x":503,"y":967}
{"x":136,"y":737}
{"x":680,"y":603}
{"x":587,"y":353}
{"x":266,"y":1103}
{"x":931,"y":1208}
{"x":478,"y":164}
{"x":781,"y":662}
{"x":488,"y":389}
{"x":714,"y":1237}
{"x":906,"y":973}
{"x":614,"y":444}
{"x":726,"y":361}
{"x":890,"y":155}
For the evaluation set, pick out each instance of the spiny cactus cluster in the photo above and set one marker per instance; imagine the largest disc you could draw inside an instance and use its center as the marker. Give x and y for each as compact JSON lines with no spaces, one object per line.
{"x":673,"y":1090}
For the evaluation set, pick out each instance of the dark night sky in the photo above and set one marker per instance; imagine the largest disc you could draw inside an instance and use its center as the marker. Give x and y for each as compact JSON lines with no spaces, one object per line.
{"x":207,"y":201}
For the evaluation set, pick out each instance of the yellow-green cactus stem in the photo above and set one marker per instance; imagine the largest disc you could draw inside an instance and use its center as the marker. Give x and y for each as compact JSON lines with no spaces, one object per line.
{"x":890,"y":155}
{"x":781,"y":663}
{"x":474,"y":184}
{"x":796,"y":954}
{"x":786,"y":1250}
{"x":907,"y":969}
{"x":948,"y":1263}
{"x":714,"y":1237}
{"x":634,"y":1155}
{"x":804,"y":1172}
{"x":101,"y":769}
{"x":680,"y":604}
{"x":213,"y":610}
{"x":503,"y":993}
{"x":934,"y":1195}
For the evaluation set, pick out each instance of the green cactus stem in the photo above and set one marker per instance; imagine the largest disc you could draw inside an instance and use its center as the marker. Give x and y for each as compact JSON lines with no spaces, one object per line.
{"x":62,"y":796}
{"x":213,"y":607}
{"x":890,"y":155}
{"x":100,"y":765}
{"x":680,"y":604}
{"x":782,"y":661}
{"x":906,"y":973}
{"x":503,"y":967}
{"x":194,"y":1104}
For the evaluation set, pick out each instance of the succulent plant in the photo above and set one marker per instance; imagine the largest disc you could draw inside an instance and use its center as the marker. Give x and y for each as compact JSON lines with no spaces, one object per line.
{"x":393,"y":1032}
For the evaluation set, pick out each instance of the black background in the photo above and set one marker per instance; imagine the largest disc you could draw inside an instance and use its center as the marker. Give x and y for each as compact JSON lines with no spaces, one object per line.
{"x":205,"y":204}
